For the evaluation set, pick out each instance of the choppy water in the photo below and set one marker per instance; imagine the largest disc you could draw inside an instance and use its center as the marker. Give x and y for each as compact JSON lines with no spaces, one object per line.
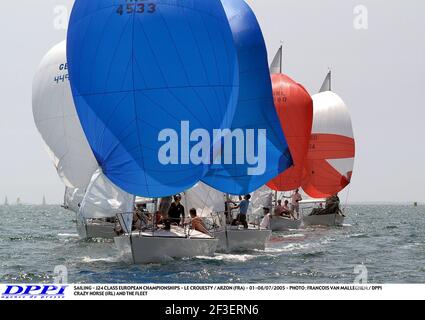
{"x":388,"y":240}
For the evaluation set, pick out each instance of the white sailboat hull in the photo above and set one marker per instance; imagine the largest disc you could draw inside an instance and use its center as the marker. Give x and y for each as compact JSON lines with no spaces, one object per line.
{"x":95,"y":229}
{"x":329,"y":220}
{"x":162,"y":246}
{"x":239,"y":240}
{"x":284,"y":224}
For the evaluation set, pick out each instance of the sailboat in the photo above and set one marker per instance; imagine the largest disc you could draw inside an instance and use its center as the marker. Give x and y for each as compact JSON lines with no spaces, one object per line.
{"x":257,"y":97}
{"x":18,"y":202}
{"x":210,"y":205}
{"x":56,"y":119}
{"x":99,"y":206}
{"x":164,"y":83}
{"x":6,"y":201}
{"x":295,"y":109}
{"x":330,"y":159}
{"x":88,"y":227}
{"x":44,"y":202}
{"x":169,"y":84}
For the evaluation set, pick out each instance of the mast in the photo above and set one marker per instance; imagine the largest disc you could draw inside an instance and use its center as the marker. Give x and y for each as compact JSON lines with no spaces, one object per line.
{"x":281,"y":58}
{"x":330,"y":79}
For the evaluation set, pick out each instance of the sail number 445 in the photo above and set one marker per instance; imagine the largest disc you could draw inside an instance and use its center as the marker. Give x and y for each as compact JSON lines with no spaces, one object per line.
{"x":136,"y":7}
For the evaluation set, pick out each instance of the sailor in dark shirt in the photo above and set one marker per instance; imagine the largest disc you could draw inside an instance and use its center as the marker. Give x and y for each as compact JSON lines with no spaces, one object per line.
{"x":176,"y":213}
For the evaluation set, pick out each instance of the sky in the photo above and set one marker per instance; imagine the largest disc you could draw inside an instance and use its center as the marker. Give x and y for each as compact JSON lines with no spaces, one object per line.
{"x":375,"y":48}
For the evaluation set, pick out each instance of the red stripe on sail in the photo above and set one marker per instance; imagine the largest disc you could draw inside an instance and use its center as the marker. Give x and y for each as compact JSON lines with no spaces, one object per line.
{"x":321,"y":178}
{"x":330,"y":146}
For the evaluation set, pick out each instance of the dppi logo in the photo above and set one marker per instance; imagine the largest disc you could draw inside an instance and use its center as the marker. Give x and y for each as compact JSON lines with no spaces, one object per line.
{"x":34,"y":292}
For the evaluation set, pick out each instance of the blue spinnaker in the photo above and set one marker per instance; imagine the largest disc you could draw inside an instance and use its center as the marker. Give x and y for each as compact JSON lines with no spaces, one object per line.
{"x":255,"y":109}
{"x":139,"y":67}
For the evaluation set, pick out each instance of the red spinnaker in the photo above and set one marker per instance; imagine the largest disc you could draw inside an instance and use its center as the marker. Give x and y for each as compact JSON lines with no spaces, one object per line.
{"x":294,"y":106}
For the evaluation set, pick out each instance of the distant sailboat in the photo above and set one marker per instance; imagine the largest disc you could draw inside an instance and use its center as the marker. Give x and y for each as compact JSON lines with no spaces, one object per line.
{"x":18,"y":201}
{"x":6,"y":201}
{"x":44,"y":203}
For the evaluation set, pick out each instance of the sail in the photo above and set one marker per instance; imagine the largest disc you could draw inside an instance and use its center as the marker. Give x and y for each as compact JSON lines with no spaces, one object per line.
{"x":295,"y":108}
{"x":330,"y":159}
{"x":276,"y":66}
{"x":327,"y":84}
{"x":105,"y":200}
{"x":56,"y":120}
{"x":73,"y":198}
{"x":143,"y":76}
{"x":204,"y":199}
{"x":255,"y":110}
{"x":262,"y":198}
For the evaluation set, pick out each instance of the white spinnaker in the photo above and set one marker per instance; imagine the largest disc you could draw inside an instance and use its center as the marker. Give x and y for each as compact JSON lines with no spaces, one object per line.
{"x":262,"y":198}
{"x":330,"y":160}
{"x":204,"y":199}
{"x":58,"y":123}
{"x":105,"y":200}
{"x":73,"y":199}
{"x":331,"y":115}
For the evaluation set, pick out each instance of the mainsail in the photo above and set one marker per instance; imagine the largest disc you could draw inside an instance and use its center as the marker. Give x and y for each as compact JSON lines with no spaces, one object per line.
{"x":327,"y":84}
{"x":295,"y":109}
{"x":330,"y":159}
{"x":73,"y":198}
{"x":262,"y":198}
{"x":255,"y":108}
{"x":56,"y":120}
{"x":204,"y":199}
{"x":105,"y":200}
{"x":276,"y":66}
{"x":135,"y":73}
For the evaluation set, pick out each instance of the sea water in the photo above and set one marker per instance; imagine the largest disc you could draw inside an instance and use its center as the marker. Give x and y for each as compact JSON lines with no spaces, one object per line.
{"x":386,"y":240}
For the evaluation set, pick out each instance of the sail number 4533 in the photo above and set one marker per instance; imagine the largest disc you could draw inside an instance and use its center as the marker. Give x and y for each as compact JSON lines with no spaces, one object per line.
{"x":131,"y":8}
